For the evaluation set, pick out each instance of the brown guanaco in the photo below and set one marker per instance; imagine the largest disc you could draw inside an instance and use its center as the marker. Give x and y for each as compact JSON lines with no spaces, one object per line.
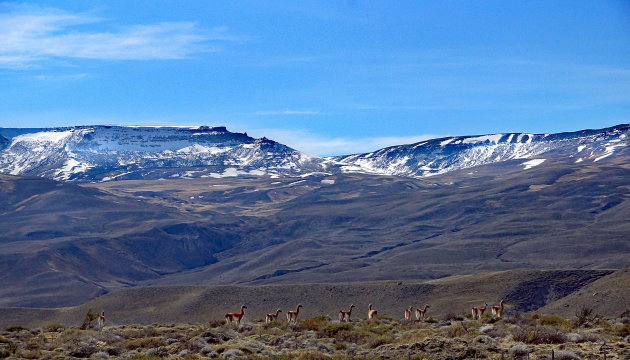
{"x":293,"y":314}
{"x":229,"y":317}
{"x":344,"y":315}
{"x":271,"y":317}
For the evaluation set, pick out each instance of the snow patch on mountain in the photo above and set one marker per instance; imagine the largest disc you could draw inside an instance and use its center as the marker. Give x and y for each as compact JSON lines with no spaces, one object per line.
{"x":531,"y":163}
{"x":482,"y":139}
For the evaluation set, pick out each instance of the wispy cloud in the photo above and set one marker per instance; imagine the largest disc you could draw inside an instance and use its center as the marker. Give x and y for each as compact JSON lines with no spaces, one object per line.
{"x":322,"y":145}
{"x":60,"y":78}
{"x":287,"y":112}
{"x":29,"y":35}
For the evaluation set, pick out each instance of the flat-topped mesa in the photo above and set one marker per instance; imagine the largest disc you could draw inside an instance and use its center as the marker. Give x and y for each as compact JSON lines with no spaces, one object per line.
{"x":107,"y":152}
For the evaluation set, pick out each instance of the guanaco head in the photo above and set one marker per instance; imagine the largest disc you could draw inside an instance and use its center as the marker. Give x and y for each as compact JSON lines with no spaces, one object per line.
{"x":243,"y":307}
{"x":278,"y":310}
{"x":370,"y":307}
{"x":351,"y":306}
{"x":300,"y":305}
{"x":426,"y":305}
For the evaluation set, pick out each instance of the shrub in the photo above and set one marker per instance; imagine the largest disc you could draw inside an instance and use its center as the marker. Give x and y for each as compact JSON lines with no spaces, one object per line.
{"x":584,"y":316}
{"x":54,"y":327}
{"x":159,"y":352}
{"x":520,"y":334}
{"x":518,"y":350}
{"x":544,"y":335}
{"x":15,"y":328}
{"x":216,"y":323}
{"x":455,"y":330}
{"x":565,"y":355}
{"x":233,"y":353}
{"x":493,"y":331}
{"x":620,"y":330}
{"x":379,"y":340}
{"x":101,"y":355}
{"x":144,"y":357}
{"x":83,"y":348}
{"x":31,"y":354}
{"x":150,"y":342}
{"x":315,"y":323}
{"x":552,"y":320}
{"x":333,"y":330}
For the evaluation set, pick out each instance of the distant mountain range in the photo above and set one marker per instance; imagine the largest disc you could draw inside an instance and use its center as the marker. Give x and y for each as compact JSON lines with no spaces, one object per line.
{"x":256,"y":212}
{"x":105,"y":153}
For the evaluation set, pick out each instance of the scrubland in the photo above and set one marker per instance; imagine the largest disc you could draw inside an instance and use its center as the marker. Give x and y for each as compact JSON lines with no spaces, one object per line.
{"x":517,"y":336}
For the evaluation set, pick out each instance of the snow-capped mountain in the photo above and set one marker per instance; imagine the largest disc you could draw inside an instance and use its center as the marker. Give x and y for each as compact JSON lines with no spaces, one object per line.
{"x":103,"y":153}
{"x":438,"y":156}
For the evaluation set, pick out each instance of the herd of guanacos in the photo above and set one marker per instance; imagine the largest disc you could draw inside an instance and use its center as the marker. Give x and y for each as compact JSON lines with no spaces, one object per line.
{"x":344,"y":315}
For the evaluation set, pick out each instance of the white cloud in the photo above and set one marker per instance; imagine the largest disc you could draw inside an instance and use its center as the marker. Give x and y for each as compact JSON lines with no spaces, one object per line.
{"x":287,"y":112}
{"x":321,"y":145}
{"x":30,"y":34}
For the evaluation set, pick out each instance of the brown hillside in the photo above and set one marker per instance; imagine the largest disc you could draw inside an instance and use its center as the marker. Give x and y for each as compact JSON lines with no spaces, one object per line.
{"x":199,"y":304}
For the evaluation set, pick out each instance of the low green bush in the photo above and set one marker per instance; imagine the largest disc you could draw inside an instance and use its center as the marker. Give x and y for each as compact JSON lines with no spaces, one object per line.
{"x":620,"y":330}
{"x":552,"y":320}
{"x":16,"y":328}
{"x":315,"y":323}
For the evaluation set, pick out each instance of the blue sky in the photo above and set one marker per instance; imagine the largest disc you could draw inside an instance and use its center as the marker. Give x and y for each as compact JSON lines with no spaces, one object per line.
{"x":325,"y":77}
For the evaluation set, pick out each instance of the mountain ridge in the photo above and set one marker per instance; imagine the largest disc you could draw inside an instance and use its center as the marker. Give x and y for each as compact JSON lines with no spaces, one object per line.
{"x":104,"y":153}
{"x":441,"y":155}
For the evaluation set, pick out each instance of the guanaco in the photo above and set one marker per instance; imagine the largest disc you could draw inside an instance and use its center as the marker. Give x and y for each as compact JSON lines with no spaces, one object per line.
{"x":420,"y":312}
{"x":344,"y":315}
{"x":498,"y":310}
{"x":408,"y":313}
{"x":101,"y":321}
{"x":293,"y":314}
{"x":371,"y":312}
{"x":229,"y":317}
{"x":271,"y":317}
{"x":477,"y":312}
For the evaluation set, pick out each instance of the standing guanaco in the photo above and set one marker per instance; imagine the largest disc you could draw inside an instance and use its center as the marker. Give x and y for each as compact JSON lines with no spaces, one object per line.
{"x":420,"y":312}
{"x":271,"y":317}
{"x":344,"y":315}
{"x":371,"y":312}
{"x":293,"y":314}
{"x":229,"y":317}
{"x":101,"y":321}
{"x":477,"y":312}
{"x":408,"y":313}
{"x":498,"y":310}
